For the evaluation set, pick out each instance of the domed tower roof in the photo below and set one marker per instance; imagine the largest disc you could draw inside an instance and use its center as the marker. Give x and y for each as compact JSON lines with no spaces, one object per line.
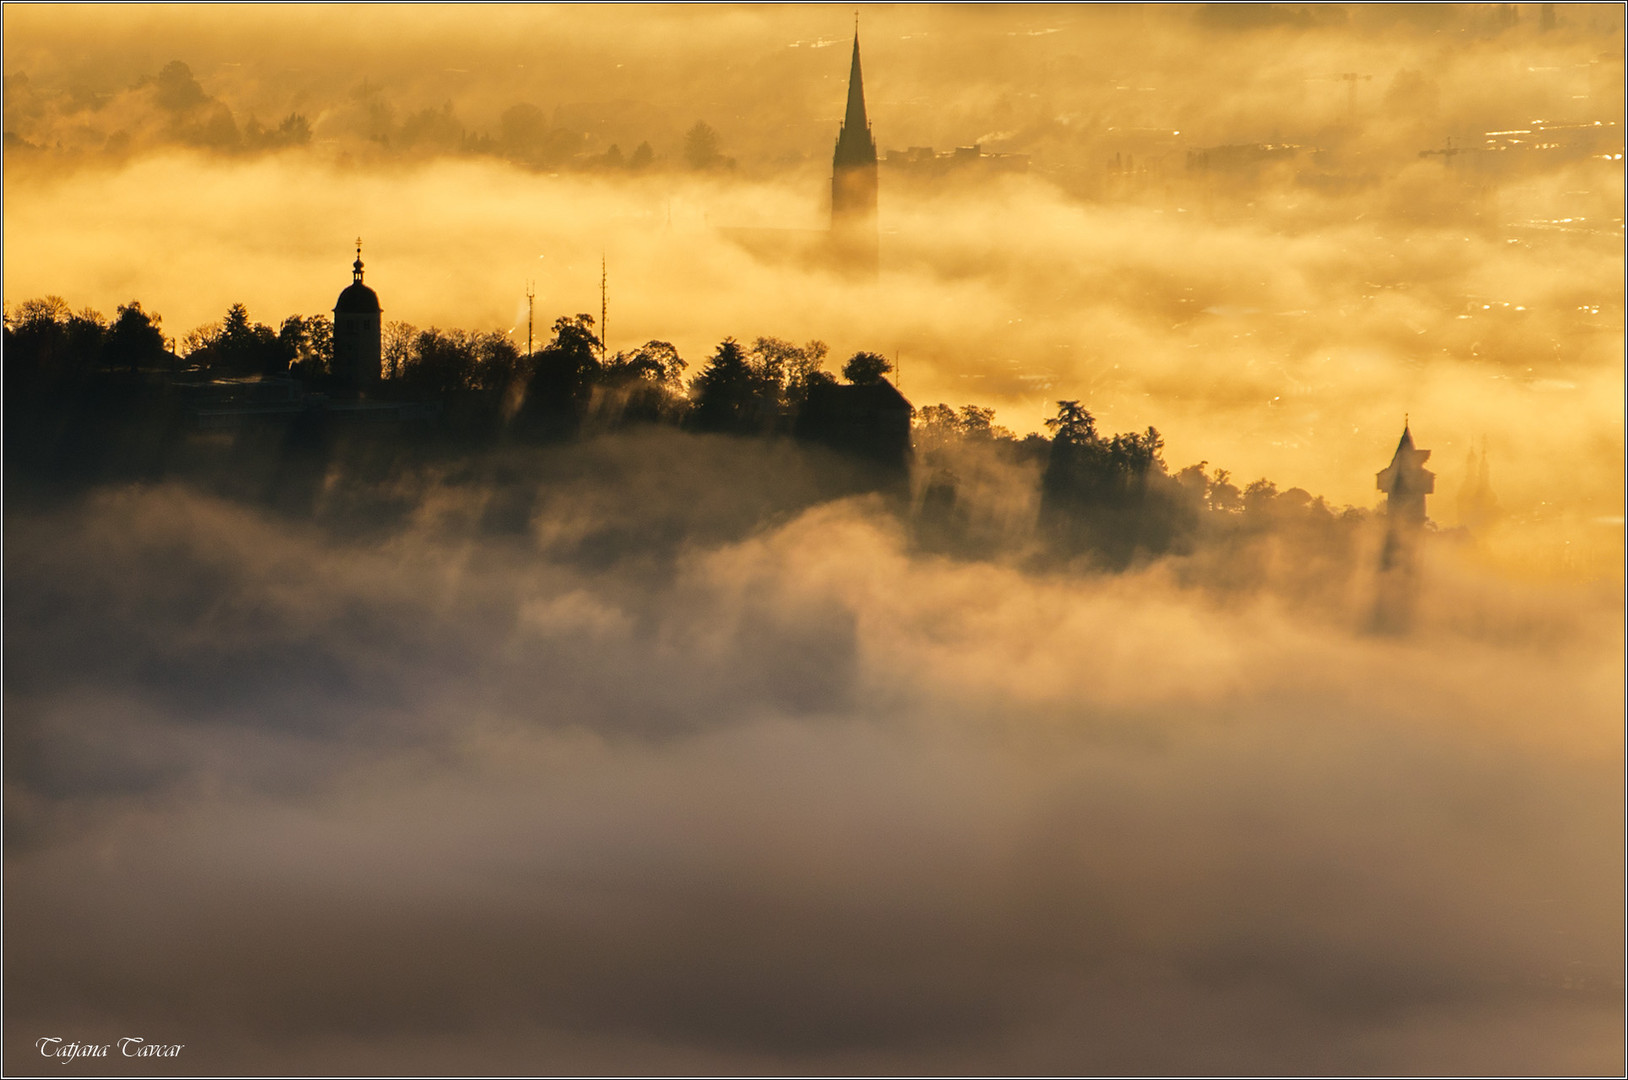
{"x":357,"y":299}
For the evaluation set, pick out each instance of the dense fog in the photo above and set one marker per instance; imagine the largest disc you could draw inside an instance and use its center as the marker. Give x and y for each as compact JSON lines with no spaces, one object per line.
{"x":660,"y":751}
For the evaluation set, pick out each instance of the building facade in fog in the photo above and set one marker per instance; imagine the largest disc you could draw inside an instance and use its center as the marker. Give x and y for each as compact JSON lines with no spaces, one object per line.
{"x":358,"y":351}
{"x":853,"y":180}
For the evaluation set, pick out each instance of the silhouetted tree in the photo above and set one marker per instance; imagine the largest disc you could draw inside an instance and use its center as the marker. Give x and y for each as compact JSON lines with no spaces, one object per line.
{"x":787,"y":372}
{"x":1085,"y":467}
{"x":645,"y":385}
{"x":397,"y":347}
{"x":176,"y":89}
{"x":309,"y":343}
{"x":87,"y":338}
{"x":134,"y":338}
{"x":1095,"y":490}
{"x":936,"y":425}
{"x":1193,"y":484}
{"x":195,"y":118}
{"x":443,"y":364}
{"x":701,"y":147}
{"x":240,"y":347}
{"x":1073,"y":425}
{"x":524,"y":134}
{"x":378,"y":116}
{"x":521,"y":129}
{"x":866,"y":368}
{"x":1222,"y":494}
{"x":564,"y":373}
{"x":642,"y":156}
{"x":48,"y":348}
{"x":940,"y":425}
{"x":1259,"y":496}
{"x":979,"y":423}
{"x":654,"y":362}
{"x":434,"y":129}
{"x":295,"y":130}
{"x":729,"y":394}
{"x":498,"y":364}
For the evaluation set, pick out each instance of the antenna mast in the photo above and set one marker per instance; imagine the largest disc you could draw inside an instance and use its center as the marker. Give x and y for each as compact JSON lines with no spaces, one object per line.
{"x":602,"y":308}
{"x":531,"y":293}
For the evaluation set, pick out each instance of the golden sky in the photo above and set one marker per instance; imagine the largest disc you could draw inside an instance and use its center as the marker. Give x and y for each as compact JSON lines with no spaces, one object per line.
{"x":316,"y":765}
{"x":1274,"y":315}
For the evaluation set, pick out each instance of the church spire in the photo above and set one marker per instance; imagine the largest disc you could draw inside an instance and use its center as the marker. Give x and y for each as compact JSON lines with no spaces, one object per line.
{"x":853,"y":177}
{"x":356,"y":267}
{"x":855,"y":118}
{"x":854,"y":143}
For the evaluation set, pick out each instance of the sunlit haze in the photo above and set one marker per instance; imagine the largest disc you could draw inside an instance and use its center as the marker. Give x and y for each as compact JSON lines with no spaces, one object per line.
{"x":658,"y":750}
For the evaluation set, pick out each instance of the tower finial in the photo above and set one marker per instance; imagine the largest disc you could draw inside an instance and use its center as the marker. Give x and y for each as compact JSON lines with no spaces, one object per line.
{"x":356,"y":267}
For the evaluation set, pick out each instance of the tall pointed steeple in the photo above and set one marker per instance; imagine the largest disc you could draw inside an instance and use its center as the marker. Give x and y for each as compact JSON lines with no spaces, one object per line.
{"x":856,"y":128}
{"x":855,"y":147}
{"x":853,"y":177}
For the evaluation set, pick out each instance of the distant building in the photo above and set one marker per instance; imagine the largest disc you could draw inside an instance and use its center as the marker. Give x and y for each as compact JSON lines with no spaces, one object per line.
{"x":358,"y":352}
{"x":1524,"y":145}
{"x":853,"y":180}
{"x":868,"y":420}
{"x":1477,"y":504}
{"x":926,"y":163}
{"x":1406,"y":482}
{"x":1238,"y":158}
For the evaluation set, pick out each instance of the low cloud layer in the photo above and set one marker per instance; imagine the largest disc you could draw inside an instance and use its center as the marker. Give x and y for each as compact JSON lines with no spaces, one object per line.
{"x":651,"y":753}
{"x":793,"y":798}
{"x":1273,"y":274}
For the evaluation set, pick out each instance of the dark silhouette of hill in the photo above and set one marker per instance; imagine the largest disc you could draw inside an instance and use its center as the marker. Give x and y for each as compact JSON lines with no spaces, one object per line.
{"x":259,"y":415}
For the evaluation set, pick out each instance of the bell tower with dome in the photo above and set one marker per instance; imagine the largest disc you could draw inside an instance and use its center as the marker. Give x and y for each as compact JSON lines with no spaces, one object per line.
{"x":357,"y":337}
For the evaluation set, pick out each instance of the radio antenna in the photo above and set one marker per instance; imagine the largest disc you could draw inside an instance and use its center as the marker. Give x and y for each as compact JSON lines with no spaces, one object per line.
{"x":531,"y":293}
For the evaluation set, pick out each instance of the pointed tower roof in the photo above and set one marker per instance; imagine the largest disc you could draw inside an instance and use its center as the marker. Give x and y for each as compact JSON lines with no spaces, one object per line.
{"x":1406,"y":469}
{"x":855,"y":116}
{"x":1407,"y":456}
{"x":854,"y":143}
